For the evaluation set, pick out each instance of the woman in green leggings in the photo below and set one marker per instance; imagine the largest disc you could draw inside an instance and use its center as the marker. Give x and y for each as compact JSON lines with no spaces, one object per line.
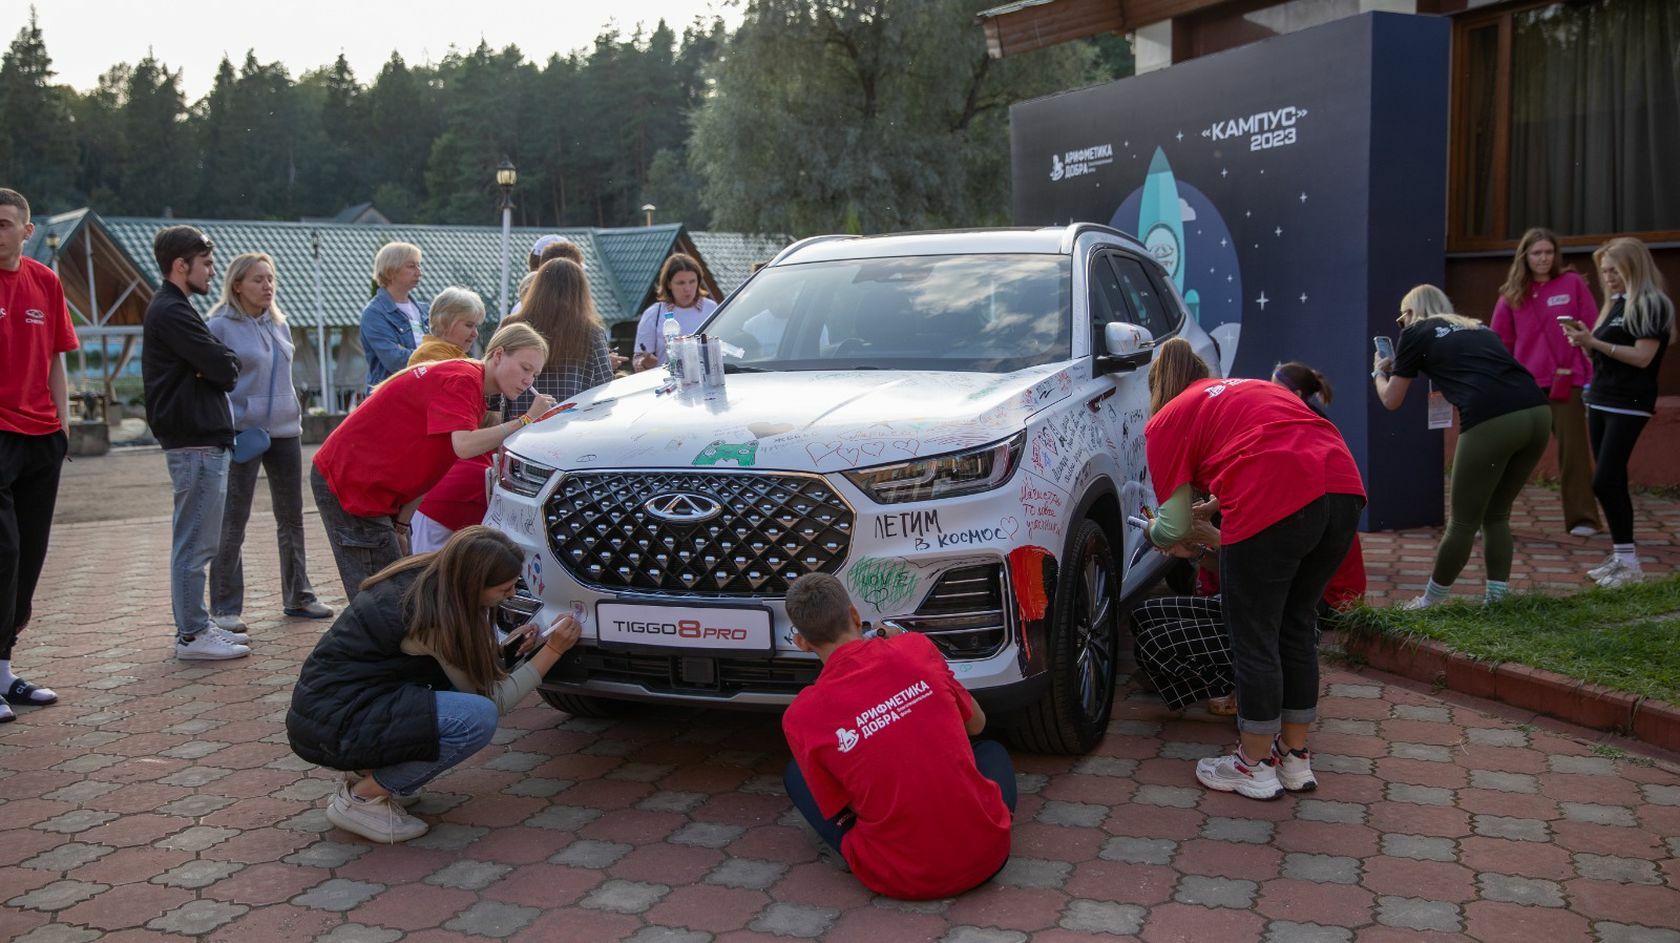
{"x":1504,"y":425}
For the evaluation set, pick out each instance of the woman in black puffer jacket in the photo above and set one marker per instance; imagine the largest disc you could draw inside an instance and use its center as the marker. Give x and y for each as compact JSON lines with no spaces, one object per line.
{"x":409,"y":682}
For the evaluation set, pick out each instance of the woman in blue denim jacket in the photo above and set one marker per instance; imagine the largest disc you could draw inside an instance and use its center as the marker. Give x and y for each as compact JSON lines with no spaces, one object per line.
{"x":393,"y":322}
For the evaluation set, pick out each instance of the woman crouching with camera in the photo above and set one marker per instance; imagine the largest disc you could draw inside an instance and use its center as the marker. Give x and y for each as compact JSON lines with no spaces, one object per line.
{"x":409,"y":681}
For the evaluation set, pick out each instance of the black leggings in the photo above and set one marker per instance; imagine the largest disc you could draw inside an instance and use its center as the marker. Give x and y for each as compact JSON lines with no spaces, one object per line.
{"x":1613,"y":436}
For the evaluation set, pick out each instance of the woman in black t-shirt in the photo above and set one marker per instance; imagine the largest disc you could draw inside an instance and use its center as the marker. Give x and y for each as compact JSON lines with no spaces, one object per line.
{"x":1504,"y":425}
{"x":1634,"y":328}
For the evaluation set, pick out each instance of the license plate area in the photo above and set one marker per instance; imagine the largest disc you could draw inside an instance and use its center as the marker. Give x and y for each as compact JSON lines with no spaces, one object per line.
{"x":684,"y":627}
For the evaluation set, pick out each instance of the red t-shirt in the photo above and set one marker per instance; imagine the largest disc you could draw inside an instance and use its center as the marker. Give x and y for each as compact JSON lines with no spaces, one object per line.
{"x":34,"y":328}
{"x":396,"y":445}
{"x":1252,"y":444}
{"x":881,"y":732}
{"x":459,"y":498}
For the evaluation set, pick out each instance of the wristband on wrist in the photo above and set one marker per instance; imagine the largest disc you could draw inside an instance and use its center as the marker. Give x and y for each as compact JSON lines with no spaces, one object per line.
{"x":524,"y":421}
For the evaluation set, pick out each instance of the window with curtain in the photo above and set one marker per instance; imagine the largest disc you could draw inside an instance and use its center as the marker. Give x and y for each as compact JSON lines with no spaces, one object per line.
{"x":1589,"y":115}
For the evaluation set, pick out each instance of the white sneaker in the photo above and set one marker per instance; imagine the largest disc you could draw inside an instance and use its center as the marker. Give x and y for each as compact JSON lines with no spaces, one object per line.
{"x":1603,"y":569}
{"x":1621,"y":574}
{"x":1294,"y":768}
{"x":210,"y":645}
{"x":1421,"y":602}
{"x":1583,"y":530}
{"x":237,"y":638}
{"x":233,"y":623}
{"x":374,"y":819}
{"x":1230,"y":774}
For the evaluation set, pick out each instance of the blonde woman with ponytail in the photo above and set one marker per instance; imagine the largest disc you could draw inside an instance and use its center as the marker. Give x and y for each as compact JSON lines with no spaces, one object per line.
{"x":1504,"y":425}
{"x":372,"y":471}
{"x":410,"y":681}
{"x":1627,"y":344}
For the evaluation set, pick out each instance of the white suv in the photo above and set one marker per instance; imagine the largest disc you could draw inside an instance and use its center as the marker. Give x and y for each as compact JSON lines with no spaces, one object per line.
{"x":951,"y":423}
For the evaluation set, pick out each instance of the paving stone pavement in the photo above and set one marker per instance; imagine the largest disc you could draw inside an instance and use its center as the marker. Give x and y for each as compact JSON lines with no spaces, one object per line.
{"x":159,"y":801}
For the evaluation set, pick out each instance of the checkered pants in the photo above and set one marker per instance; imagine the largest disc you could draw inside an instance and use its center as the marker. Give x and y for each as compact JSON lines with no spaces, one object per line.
{"x":1182,"y":647}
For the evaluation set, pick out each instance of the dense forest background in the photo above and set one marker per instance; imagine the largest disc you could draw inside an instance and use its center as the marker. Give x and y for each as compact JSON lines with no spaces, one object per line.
{"x":813,"y":115}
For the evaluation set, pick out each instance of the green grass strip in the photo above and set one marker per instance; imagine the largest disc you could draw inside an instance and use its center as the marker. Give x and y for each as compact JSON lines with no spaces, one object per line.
{"x":1627,"y":639}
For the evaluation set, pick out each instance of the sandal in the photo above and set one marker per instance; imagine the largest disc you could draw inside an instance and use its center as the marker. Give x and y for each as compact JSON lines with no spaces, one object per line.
{"x":22,"y":692}
{"x":1223,"y":706}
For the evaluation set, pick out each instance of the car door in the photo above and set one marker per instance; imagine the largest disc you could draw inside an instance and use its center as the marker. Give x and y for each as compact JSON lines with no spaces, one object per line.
{"x":1121,"y":291}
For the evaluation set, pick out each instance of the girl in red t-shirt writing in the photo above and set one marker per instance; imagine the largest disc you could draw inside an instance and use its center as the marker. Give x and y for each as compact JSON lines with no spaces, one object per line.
{"x":372,"y":471}
{"x":1290,"y":497}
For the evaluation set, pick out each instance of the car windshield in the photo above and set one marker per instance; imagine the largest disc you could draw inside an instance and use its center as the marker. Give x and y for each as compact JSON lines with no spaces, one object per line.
{"x":972,"y":313}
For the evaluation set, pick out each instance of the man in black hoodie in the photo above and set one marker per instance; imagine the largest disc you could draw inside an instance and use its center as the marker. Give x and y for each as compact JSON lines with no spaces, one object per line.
{"x":188,"y":374}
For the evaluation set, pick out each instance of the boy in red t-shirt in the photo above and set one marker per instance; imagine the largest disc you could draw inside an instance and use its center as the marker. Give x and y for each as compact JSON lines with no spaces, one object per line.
{"x":35,"y":332}
{"x":882,"y":766}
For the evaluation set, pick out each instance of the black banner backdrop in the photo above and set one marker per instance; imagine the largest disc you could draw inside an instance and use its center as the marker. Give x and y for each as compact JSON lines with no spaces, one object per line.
{"x":1294,"y":189}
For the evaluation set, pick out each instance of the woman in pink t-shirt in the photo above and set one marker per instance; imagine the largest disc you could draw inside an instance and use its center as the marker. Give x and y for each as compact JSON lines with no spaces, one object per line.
{"x":1538,"y":291}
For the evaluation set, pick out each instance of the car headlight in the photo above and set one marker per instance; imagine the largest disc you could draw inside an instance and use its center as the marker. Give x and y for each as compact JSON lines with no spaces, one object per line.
{"x":522,"y":476}
{"x":942,"y":476}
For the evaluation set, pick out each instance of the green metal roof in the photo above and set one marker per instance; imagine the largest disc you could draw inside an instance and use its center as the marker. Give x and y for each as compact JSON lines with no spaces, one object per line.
{"x":469,"y":256}
{"x":634,"y":257}
{"x":729,"y":256}
{"x":622,"y":264}
{"x":66,"y":225}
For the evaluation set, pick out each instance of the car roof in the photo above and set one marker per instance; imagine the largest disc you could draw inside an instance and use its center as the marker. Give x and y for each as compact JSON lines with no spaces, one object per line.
{"x":1046,"y":240}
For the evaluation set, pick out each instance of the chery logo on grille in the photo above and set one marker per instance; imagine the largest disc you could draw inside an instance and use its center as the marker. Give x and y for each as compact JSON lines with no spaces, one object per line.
{"x":682,"y":628}
{"x":682,"y":507}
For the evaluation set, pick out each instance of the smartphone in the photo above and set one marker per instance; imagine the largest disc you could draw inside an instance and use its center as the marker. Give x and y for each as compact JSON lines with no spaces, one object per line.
{"x":1385,"y":347}
{"x":1565,"y":320}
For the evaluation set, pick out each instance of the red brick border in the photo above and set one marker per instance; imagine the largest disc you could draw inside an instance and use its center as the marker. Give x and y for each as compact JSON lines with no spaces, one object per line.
{"x":1535,"y":689}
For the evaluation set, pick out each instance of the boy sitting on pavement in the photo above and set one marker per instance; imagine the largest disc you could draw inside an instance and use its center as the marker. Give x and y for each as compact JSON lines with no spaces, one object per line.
{"x":882,"y":766}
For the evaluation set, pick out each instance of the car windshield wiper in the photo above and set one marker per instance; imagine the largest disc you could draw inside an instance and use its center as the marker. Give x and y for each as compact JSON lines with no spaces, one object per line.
{"x":743,"y":368}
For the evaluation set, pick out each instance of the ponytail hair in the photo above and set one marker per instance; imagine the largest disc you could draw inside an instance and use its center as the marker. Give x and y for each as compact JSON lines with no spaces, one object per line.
{"x":1303,"y":381}
{"x":1175,"y":367}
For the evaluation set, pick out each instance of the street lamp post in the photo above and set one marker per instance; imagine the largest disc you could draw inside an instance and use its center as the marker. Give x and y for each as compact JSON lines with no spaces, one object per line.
{"x":506,"y":177}
{"x":320,"y":323}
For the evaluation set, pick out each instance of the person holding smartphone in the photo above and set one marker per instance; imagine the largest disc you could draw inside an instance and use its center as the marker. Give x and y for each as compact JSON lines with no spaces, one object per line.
{"x":1539,"y":292}
{"x":409,"y":681}
{"x":1504,"y":425}
{"x":1627,"y":343}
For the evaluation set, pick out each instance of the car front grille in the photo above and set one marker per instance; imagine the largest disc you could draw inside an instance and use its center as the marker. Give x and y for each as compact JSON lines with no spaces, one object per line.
{"x":770,"y":528}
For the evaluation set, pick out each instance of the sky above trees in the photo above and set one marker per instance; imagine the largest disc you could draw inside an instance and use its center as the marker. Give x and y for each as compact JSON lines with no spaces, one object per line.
{"x":807,"y":116}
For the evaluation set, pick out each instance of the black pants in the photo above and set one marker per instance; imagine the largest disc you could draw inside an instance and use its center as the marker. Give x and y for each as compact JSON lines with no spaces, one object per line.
{"x":1613,"y":436}
{"x":29,"y":466}
{"x":1270,"y":585}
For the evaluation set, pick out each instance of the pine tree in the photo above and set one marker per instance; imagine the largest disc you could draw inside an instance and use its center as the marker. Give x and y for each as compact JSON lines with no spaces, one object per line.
{"x":38,"y":152}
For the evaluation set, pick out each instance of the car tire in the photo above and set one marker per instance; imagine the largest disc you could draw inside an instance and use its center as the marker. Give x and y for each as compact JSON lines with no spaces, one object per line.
{"x":580,"y":705}
{"x":1072,"y":715}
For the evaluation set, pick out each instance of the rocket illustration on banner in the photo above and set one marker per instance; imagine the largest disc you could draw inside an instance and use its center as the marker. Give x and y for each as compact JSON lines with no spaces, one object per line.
{"x":1161,"y":219}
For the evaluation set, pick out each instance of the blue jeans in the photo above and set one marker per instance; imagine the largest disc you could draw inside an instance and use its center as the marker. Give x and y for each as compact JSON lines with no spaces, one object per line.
{"x":199,"y":475}
{"x":989,"y":756}
{"x":465,"y":724}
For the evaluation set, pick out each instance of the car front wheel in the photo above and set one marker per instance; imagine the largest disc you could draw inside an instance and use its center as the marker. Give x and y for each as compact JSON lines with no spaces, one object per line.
{"x":1073,"y":713}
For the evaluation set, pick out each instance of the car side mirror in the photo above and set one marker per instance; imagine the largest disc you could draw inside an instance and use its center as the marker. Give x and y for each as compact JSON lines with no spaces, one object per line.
{"x":1129,"y":346}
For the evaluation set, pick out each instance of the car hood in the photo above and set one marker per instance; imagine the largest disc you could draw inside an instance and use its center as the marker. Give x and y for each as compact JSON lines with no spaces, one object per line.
{"x":794,"y":421}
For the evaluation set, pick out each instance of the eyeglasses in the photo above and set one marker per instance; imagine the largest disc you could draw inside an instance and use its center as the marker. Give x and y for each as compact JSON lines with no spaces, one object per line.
{"x":1404,"y":314}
